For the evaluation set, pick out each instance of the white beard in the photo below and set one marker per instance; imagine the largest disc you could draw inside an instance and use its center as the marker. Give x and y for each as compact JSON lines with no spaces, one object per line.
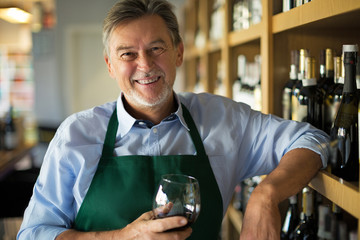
{"x":136,"y":98}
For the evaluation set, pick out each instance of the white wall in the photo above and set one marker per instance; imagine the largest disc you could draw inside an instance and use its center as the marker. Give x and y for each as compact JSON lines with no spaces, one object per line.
{"x":15,"y":37}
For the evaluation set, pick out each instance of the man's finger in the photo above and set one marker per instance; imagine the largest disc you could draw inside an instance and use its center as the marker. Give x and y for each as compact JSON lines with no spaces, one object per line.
{"x":165,"y":224}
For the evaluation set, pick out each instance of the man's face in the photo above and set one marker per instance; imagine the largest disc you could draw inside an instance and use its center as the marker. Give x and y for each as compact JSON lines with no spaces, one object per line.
{"x":143,"y":61}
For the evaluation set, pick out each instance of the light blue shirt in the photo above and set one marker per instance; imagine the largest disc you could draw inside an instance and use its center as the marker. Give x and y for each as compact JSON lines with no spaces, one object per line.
{"x":239,"y":142}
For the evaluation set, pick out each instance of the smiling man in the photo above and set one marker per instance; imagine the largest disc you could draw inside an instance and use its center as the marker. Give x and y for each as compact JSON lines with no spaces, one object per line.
{"x":99,"y":175}
{"x":143,"y":60}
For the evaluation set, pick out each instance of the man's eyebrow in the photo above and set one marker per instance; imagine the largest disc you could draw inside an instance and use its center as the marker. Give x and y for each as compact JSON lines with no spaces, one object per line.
{"x":158,"y":41}
{"x":125,"y":47}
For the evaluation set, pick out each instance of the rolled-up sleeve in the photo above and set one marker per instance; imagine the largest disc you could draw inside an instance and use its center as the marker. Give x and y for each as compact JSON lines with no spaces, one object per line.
{"x":268,"y":138}
{"x":50,"y":210}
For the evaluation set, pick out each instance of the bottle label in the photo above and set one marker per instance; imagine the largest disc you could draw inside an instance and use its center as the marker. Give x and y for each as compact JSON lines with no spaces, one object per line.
{"x":286,"y":103}
{"x":302,"y":113}
{"x":294,"y":108}
{"x":309,"y":82}
{"x":335,"y":108}
{"x":329,"y":113}
{"x":323,"y":212}
{"x":287,"y":221}
{"x":309,"y":203}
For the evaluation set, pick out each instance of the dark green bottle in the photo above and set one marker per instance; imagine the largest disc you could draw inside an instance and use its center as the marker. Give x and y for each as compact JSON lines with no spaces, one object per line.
{"x":345,"y":164}
{"x":333,"y":96}
{"x":306,"y":230}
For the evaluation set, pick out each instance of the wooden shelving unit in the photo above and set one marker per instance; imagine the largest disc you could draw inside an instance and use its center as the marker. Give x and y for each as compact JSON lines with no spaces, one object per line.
{"x":342,"y":193}
{"x":8,"y":159}
{"x":315,"y":25}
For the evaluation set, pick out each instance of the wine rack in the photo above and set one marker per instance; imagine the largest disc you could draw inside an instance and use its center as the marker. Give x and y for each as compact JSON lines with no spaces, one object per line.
{"x":316,"y":25}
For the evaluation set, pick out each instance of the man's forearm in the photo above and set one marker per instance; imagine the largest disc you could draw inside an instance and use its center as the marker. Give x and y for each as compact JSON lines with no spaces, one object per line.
{"x":294,"y":171}
{"x":262,"y":216}
{"x":76,"y":235}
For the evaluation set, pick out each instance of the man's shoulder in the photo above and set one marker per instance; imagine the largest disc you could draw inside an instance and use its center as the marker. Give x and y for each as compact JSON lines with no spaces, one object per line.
{"x":200,"y":98}
{"x":207,"y":101}
{"x":90,"y":118}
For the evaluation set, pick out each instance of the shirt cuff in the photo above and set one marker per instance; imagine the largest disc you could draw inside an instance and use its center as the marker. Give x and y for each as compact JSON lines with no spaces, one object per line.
{"x":319,"y":144}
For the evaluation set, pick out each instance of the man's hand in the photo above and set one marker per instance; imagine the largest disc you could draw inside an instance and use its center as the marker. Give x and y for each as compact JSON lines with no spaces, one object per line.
{"x":261,"y":220}
{"x":262,"y":216}
{"x":145,"y":227}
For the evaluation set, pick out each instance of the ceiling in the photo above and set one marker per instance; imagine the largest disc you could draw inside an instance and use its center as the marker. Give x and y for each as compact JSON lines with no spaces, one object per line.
{"x":49,"y":4}
{"x":27,"y":4}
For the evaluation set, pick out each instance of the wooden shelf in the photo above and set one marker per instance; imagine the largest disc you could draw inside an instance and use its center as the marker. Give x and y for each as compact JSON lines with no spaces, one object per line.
{"x":236,"y":218}
{"x":342,"y":193}
{"x":318,"y":12}
{"x":214,"y":45}
{"x":193,"y":52}
{"x":246,"y":35}
{"x":8,"y":159}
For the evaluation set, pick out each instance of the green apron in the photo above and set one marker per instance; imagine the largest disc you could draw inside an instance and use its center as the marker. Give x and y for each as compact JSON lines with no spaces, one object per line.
{"x":124,"y":187}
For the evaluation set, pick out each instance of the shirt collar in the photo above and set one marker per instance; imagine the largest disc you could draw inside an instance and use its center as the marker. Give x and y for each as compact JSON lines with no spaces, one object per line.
{"x":126,"y":121}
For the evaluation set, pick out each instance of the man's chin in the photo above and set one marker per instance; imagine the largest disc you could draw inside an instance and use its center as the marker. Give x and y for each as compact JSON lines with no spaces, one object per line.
{"x":147,"y":103}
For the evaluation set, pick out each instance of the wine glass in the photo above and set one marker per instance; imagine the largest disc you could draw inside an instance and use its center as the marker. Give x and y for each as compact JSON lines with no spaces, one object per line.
{"x":177,"y":195}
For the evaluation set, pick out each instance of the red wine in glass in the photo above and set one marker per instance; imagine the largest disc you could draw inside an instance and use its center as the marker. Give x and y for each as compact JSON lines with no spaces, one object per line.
{"x":177,"y":195}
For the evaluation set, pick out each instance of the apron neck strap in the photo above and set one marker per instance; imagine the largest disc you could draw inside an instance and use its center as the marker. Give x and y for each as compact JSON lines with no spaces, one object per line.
{"x":110,"y":136}
{"x":195,"y":136}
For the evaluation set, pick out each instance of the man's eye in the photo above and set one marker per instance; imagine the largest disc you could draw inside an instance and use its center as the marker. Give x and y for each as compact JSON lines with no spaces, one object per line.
{"x":128,"y":56}
{"x":156,"y":51}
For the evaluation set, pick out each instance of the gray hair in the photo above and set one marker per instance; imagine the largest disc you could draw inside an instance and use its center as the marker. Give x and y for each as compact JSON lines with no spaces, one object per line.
{"x":127,"y":10}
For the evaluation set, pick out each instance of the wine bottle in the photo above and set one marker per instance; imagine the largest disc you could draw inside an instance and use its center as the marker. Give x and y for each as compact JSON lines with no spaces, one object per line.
{"x":306,"y":229}
{"x":327,"y":86}
{"x":1,"y":134}
{"x":310,"y":97}
{"x":237,"y":8}
{"x":353,"y":235}
{"x":291,"y":220}
{"x":287,"y":5}
{"x":237,"y":198}
{"x":287,"y":92}
{"x":318,"y":198}
{"x":358,"y":75}
{"x":10,"y":133}
{"x":303,"y":53}
{"x":241,"y":71}
{"x":327,"y":74}
{"x":220,"y":87}
{"x":322,"y":67}
{"x":338,"y":225}
{"x":339,"y":84}
{"x":332,"y":96}
{"x":324,"y":223}
{"x":346,"y":163}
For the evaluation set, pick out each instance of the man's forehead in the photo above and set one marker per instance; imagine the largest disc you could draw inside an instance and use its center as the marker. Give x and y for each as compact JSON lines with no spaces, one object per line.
{"x":147,"y":30}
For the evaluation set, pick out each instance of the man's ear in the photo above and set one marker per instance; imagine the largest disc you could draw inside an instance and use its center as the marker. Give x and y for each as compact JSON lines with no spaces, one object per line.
{"x":180,"y":54}
{"x":108,"y":63}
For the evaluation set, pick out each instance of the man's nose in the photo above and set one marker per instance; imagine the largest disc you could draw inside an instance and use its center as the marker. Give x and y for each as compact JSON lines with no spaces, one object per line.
{"x":145,"y":61}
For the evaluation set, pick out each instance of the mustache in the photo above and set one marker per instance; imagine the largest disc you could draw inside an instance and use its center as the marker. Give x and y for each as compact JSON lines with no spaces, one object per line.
{"x":141,"y":75}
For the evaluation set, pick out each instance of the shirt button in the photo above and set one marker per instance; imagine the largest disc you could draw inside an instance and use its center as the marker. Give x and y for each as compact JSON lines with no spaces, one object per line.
{"x":155,"y":130}
{"x":142,"y":123}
